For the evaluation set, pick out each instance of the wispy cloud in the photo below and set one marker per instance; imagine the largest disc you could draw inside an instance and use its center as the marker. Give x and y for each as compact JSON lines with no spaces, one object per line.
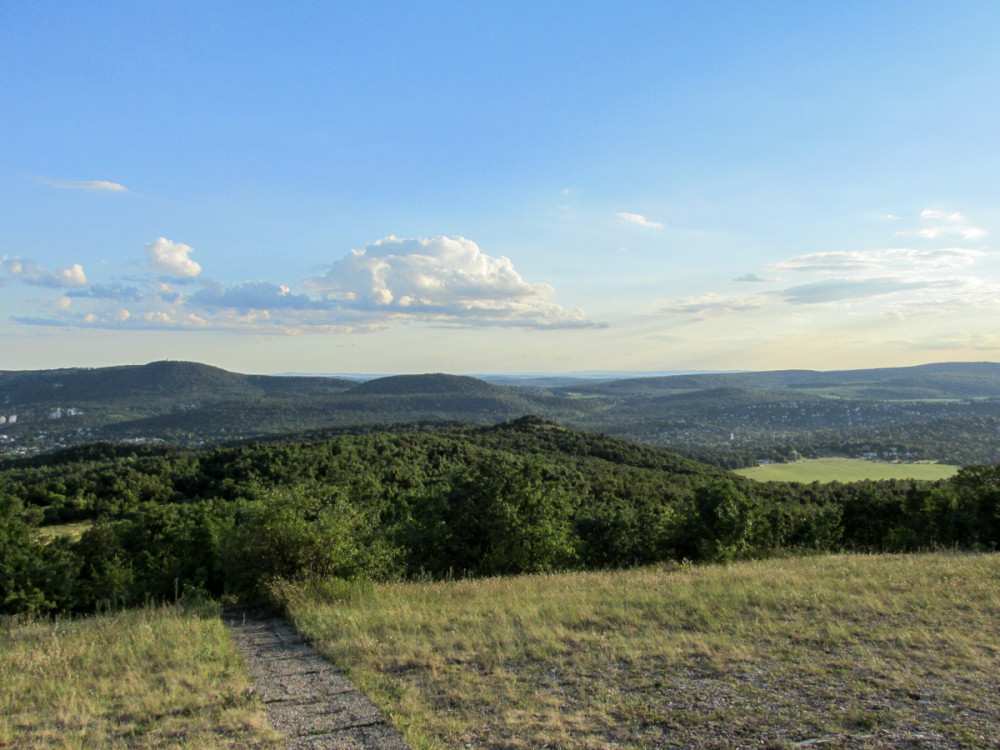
{"x":837,"y":290}
{"x":975,"y":341}
{"x":114,"y":291}
{"x":935,"y":280}
{"x":259,"y":295}
{"x":711,"y":304}
{"x":861,"y":262}
{"x":96,"y":185}
{"x":834,"y":262}
{"x":752,"y":278}
{"x":939,"y":223}
{"x":937,"y":213}
{"x":639,"y":219}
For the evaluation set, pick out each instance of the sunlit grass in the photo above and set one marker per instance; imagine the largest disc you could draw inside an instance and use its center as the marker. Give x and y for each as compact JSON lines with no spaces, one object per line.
{"x":845,"y":470}
{"x":72,"y":531}
{"x":776,"y":652}
{"x":156,"y":677}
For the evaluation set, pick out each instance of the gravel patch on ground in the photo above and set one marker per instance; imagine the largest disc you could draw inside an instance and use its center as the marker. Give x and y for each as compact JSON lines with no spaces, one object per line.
{"x":305,"y":698}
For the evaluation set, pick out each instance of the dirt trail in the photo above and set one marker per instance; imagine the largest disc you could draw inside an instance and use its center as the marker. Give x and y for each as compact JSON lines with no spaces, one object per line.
{"x":304,"y":696}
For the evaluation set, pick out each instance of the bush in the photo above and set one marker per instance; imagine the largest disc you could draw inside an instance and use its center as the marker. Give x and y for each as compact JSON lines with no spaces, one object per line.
{"x":724,"y":520}
{"x":298,"y":532}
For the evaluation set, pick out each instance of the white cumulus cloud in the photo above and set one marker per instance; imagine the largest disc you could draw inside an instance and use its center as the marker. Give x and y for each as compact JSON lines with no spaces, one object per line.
{"x":171,"y":259}
{"x":440,"y":278}
{"x":31,"y":273}
{"x":438,"y":281}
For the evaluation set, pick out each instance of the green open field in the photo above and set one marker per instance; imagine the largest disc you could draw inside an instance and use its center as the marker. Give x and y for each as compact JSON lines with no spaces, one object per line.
{"x":157,"y":677}
{"x":845,"y":470}
{"x":835,"y":651}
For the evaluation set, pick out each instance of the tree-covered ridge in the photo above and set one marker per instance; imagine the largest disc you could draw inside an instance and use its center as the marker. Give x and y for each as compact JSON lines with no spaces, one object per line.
{"x":432,"y":383}
{"x":527,"y":495}
{"x":946,"y":412}
{"x":167,"y":380}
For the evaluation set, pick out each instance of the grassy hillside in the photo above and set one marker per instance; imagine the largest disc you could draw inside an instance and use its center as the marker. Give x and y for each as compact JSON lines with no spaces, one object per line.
{"x":843,"y":652}
{"x":837,"y":651}
{"x":156,"y":677}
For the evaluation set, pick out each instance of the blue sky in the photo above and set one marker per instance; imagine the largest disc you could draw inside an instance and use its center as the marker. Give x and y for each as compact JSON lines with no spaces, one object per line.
{"x":499,"y":187}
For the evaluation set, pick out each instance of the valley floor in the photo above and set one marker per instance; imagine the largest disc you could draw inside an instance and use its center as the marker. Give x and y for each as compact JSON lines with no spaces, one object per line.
{"x":846,"y":470}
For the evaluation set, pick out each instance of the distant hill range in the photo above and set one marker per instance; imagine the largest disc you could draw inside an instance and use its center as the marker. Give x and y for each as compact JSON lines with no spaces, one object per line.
{"x":165,"y":382}
{"x":743,"y":415}
{"x":946,"y":380}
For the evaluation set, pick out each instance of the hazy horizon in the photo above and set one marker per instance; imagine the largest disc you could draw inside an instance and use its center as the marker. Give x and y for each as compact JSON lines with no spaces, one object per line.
{"x":502,"y":376}
{"x":643,"y":187}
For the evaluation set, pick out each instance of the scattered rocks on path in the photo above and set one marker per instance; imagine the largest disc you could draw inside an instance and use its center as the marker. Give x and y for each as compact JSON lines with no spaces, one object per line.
{"x":304,"y":696}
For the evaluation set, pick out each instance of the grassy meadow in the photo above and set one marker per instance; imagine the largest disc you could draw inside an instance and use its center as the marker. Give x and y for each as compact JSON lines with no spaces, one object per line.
{"x":157,"y":677}
{"x":845,"y":470}
{"x":841,"y":651}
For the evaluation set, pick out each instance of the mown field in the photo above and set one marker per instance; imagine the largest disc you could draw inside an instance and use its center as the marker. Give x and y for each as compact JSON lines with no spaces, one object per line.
{"x":155,"y":677}
{"x":837,"y":651}
{"x":845,"y":470}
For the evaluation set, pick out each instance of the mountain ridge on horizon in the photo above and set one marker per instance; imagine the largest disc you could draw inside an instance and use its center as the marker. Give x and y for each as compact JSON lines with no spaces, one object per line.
{"x":192,"y":403}
{"x":581,"y":374}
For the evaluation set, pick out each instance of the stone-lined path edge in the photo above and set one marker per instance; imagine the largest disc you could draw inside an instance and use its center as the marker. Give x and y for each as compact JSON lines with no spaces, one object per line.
{"x":304,"y":696}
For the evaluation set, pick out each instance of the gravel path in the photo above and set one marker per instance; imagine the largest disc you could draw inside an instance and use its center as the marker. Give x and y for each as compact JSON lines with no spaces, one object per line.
{"x":304,"y":696}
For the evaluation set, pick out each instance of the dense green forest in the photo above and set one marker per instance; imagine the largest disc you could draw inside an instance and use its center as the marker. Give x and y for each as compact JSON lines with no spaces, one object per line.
{"x":426,"y":500}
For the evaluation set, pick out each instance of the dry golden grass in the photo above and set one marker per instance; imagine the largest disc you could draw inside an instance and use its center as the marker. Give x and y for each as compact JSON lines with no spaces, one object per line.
{"x":847,"y":651}
{"x":157,"y":677}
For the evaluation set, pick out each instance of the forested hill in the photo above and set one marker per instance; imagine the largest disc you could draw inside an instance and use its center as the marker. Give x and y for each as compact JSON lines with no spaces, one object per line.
{"x":189,"y":403}
{"x":165,"y":383}
{"x":114,"y":523}
{"x":944,"y":412}
{"x":435,"y":383}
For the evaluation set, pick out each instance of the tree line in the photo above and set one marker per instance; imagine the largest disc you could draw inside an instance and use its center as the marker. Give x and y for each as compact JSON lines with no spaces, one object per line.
{"x":525,"y":496}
